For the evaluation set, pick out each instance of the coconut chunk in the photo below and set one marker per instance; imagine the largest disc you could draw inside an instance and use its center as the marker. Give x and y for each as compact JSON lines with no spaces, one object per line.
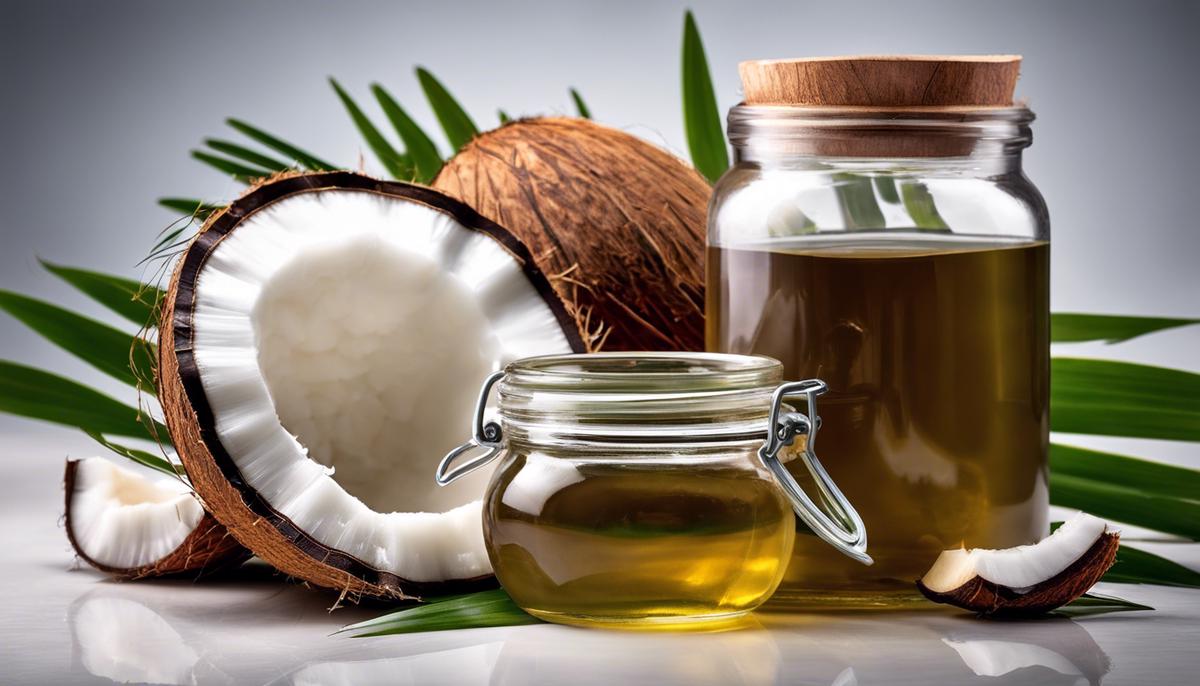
{"x":134,"y":522}
{"x":1020,"y":567}
{"x":1026,"y":580}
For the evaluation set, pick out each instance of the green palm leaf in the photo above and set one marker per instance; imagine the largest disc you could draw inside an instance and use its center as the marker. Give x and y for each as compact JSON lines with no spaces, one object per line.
{"x":239,"y":171}
{"x":702,"y":121}
{"x":155,"y":462}
{"x":36,"y":394}
{"x":1134,"y":566}
{"x":503,"y":116}
{"x":1123,"y":399}
{"x":303,"y":157}
{"x":420,"y":147}
{"x":392,"y":161}
{"x":474,"y":610}
{"x":918,"y":202}
{"x":580,"y":106}
{"x":1155,"y":478}
{"x":137,"y":302}
{"x":886,"y":186}
{"x":246,"y":154}
{"x":454,"y":119}
{"x":1070,"y":327}
{"x":190,"y":207}
{"x":126,"y":358}
{"x":171,"y":240}
{"x":1111,"y":500}
{"x":856,"y":198}
{"x":1090,"y":604}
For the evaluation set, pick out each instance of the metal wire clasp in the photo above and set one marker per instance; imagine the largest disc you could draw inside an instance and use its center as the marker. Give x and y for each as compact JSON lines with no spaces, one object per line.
{"x":486,"y":436}
{"x":844,"y":530}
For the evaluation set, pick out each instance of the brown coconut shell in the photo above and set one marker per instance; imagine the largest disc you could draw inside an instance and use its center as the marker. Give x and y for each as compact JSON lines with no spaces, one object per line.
{"x":618,"y":223}
{"x":988,"y":599}
{"x":192,"y":424}
{"x":207,"y":549}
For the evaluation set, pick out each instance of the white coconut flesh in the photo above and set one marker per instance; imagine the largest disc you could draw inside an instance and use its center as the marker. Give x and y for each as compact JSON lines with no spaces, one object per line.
{"x":341,"y":338}
{"x":1019,"y":568}
{"x":127,"y":517}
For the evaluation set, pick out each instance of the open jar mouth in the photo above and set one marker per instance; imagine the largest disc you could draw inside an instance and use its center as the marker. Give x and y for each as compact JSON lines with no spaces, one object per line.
{"x":652,"y":397}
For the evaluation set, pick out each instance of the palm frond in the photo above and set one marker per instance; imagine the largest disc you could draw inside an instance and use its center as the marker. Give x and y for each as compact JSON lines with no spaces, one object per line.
{"x":472,"y":610}
{"x":246,"y":154}
{"x":701,"y":120}
{"x":1109,"y":398}
{"x":394,"y":162}
{"x":36,"y":394}
{"x":1072,"y":327}
{"x":580,"y":106}
{"x":127,"y":358}
{"x":420,"y":147}
{"x":454,"y":119}
{"x":302,"y":157}
{"x":189,"y":207}
{"x":241,"y":172}
{"x":155,"y":462}
{"x":137,"y":302}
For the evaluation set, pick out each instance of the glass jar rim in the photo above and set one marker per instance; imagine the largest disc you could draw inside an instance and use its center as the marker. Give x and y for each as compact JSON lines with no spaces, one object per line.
{"x":653,"y":397}
{"x":879,"y":131}
{"x":667,"y":371}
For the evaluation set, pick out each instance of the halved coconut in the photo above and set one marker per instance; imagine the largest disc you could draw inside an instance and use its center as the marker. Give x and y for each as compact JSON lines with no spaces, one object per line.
{"x":323,"y":342}
{"x":133,"y":523}
{"x":1028,"y":579}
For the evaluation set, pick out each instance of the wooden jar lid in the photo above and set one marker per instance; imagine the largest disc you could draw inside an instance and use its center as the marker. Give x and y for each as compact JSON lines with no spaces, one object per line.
{"x":943,"y":87}
{"x":894,"y":81}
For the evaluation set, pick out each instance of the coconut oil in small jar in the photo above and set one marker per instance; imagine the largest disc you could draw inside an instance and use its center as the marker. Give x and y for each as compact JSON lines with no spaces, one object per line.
{"x":643,"y":488}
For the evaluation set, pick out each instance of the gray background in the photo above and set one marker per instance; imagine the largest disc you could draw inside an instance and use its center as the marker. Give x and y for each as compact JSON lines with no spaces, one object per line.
{"x":100,"y":103}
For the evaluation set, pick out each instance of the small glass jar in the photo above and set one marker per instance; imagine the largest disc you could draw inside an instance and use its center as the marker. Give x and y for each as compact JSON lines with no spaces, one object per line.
{"x":643,"y":488}
{"x":902,"y":255}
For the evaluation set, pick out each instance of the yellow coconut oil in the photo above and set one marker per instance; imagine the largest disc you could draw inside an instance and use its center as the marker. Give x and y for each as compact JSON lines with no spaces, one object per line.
{"x":935,"y":423}
{"x":636,"y":538}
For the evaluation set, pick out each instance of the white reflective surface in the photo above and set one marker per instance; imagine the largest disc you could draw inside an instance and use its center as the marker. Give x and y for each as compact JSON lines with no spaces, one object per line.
{"x":63,"y":624}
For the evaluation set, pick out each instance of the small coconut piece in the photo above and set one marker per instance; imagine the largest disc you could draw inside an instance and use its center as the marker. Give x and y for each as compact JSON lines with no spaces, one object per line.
{"x":1027,"y":580}
{"x":617,"y":223}
{"x":134,"y":524}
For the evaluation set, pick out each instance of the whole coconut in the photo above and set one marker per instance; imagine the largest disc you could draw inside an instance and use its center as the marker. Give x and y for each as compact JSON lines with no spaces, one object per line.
{"x":617,"y":223}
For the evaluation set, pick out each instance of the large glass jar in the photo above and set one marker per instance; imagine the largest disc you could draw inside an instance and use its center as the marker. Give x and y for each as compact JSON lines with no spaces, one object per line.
{"x":901,"y":255}
{"x":644,"y":488}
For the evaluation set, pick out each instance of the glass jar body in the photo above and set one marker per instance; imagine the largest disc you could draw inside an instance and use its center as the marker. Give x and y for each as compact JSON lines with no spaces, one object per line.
{"x":618,"y":534}
{"x":917,"y":288}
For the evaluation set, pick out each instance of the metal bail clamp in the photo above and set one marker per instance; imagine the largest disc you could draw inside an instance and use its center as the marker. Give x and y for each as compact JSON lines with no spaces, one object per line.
{"x":848,"y":533}
{"x":486,"y":436}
